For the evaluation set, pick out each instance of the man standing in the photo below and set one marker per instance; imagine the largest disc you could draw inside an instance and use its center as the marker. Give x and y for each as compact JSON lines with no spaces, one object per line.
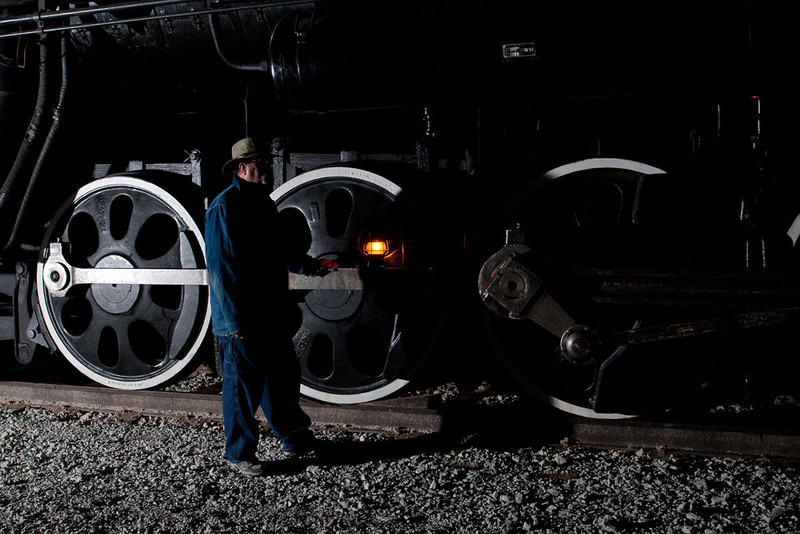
{"x":247,"y":269}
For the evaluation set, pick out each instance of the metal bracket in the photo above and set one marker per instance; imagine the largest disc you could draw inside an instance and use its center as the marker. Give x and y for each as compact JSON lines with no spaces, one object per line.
{"x":521,"y":294}
{"x":513,"y":286}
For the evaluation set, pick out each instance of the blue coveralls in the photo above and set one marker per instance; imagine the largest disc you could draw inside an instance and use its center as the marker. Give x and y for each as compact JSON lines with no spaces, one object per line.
{"x":247,"y":271}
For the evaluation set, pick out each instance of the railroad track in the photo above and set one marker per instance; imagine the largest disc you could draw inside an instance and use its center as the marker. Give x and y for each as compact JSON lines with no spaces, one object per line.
{"x":412,"y":414}
{"x":463,"y":419}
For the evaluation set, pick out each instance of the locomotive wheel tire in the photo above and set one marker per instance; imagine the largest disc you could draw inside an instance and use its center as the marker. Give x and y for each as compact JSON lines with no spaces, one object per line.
{"x":541,"y":386}
{"x":136,"y":336}
{"x":340,"y":320}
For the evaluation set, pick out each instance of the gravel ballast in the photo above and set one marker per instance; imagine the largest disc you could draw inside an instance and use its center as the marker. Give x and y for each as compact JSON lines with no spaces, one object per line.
{"x":71,"y":471}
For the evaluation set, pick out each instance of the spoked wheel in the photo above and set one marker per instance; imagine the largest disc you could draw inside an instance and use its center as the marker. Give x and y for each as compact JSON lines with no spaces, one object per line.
{"x":583,"y":216}
{"x":125,"y":335}
{"x":358,"y":345}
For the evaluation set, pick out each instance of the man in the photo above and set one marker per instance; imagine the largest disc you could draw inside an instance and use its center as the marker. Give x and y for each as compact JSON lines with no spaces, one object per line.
{"x":247,"y":269}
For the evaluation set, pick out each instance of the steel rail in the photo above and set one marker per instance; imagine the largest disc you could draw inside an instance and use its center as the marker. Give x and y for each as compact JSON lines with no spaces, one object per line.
{"x":703,"y":439}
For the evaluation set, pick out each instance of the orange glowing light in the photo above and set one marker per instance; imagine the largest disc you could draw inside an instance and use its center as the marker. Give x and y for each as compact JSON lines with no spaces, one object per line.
{"x":376,"y":247}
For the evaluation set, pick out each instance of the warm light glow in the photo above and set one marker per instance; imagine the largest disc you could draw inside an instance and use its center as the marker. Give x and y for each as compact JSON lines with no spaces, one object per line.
{"x":376,"y":247}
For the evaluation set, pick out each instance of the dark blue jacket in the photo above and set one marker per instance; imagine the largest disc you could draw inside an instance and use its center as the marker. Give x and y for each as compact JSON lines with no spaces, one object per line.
{"x":245,"y":256}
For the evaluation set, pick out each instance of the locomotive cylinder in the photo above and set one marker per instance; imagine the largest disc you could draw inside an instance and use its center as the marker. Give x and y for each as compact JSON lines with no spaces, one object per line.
{"x":370,"y":58}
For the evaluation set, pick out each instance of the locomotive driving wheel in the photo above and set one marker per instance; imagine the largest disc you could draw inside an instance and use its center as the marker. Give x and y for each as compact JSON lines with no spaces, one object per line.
{"x":361,"y":343}
{"x":579,"y":217}
{"x":133,"y":332}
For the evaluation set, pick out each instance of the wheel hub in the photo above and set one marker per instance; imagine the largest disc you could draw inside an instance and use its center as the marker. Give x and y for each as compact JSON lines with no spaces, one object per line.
{"x":115,"y":298}
{"x":334,"y":305}
{"x":578,"y":344}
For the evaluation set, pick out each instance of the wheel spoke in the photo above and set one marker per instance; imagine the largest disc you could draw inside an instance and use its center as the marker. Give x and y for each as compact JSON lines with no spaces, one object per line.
{"x":360,"y":219}
{"x":336,"y":213}
{"x":104,"y":344}
{"x":354,"y":353}
{"x":324,"y":358}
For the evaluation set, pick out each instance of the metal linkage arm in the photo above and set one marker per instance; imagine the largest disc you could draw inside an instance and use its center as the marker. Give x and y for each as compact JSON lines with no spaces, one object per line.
{"x":59,"y":275}
{"x":521,"y":293}
{"x":510,"y":289}
{"x":337,"y":280}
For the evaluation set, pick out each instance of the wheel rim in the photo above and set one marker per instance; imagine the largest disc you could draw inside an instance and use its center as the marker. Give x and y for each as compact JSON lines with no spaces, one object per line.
{"x":126,"y":336}
{"x":358,"y":345}
{"x":563,"y":227}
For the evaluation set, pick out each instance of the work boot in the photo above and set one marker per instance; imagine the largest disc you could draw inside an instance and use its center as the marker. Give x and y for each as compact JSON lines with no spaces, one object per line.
{"x":247,"y":468}
{"x":301,"y":447}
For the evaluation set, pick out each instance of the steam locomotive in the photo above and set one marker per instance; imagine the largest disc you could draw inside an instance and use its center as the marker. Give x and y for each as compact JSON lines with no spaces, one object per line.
{"x":568,"y":191}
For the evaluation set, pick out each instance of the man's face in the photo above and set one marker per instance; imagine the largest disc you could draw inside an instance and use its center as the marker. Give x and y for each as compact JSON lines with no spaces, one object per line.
{"x":252,"y":171}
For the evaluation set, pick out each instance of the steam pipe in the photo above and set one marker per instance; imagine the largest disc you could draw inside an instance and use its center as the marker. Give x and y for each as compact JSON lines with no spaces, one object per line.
{"x":29,"y":142}
{"x":257,"y":67}
{"x":52,"y":15}
{"x":48,"y":142}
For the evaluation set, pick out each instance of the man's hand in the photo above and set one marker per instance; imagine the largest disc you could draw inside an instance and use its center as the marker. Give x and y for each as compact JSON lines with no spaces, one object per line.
{"x":326,"y":266}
